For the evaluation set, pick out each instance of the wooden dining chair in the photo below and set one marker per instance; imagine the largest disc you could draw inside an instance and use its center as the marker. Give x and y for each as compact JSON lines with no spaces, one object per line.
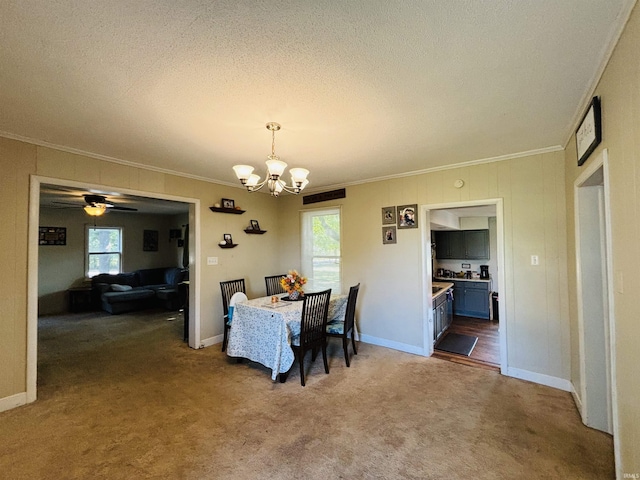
{"x":342,"y":328}
{"x":315,"y":308}
{"x":274,"y":287}
{"x":228,"y":289}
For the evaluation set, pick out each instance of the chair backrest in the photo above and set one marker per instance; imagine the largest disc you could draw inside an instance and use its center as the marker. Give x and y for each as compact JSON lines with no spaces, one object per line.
{"x":315,"y":308}
{"x":235,"y":298}
{"x":273,"y":284}
{"x":228,"y":289}
{"x":351,"y":308}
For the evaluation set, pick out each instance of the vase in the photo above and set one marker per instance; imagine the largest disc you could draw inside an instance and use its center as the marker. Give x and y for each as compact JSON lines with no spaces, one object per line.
{"x":294,"y":295}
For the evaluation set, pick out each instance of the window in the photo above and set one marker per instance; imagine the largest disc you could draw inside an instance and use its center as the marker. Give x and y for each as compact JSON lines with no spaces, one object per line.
{"x":104,"y":250}
{"x":321,"y":261}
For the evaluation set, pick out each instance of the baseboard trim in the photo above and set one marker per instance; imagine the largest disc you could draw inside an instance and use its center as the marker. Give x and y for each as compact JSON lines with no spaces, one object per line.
{"x":208,"y":342}
{"x":542,"y":379}
{"x":17,"y":400}
{"x":577,"y":400}
{"x":381,"y":342}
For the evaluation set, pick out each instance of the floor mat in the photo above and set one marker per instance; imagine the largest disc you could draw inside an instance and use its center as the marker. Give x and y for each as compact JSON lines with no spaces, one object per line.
{"x":457,"y":343}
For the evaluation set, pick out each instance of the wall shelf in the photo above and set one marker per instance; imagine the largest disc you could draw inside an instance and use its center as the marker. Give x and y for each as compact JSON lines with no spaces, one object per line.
{"x":255,"y":232}
{"x":227,"y":210}
{"x":233,"y":245}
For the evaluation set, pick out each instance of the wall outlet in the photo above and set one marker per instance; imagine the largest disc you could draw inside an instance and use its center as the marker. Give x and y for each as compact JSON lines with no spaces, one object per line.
{"x":535,"y":260}
{"x":212,"y":260}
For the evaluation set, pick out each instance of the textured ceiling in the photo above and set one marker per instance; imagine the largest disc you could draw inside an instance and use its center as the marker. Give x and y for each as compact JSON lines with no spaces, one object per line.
{"x":363,"y":89}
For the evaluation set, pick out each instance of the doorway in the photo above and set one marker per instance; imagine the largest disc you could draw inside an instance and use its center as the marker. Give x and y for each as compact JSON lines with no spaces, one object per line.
{"x":436,"y":215}
{"x":595,"y":296}
{"x":32,"y":274}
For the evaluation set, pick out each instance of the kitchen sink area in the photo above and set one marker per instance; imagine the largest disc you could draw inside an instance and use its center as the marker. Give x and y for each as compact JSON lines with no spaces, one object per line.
{"x":438,"y":288}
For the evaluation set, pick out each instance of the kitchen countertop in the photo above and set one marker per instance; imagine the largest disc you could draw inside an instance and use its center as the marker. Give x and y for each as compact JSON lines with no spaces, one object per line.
{"x":462,"y":279}
{"x":444,"y":286}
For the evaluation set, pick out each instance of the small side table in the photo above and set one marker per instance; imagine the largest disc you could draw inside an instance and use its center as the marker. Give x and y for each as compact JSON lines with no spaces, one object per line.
{"x":80,"y":299}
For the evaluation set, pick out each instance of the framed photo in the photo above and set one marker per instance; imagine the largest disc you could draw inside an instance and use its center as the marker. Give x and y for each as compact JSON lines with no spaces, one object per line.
{"x":407,"y":217}
{"x":255,"y":225}
{"x":388,"y":235}
{"x":227,"y":238}
{"x":228,"y":203}
{"x":52,"y":235}
{"x":589,"y":133}
{"x":388,"y":215}
{"x":150,"y":240}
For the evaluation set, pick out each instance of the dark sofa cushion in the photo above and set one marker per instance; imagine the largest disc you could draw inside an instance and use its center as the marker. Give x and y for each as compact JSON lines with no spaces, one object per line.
{"x":128,"y":296}
{"x":129,"y":278}
{"x":160,"y":276}
{"x":151,"y":276}
{"x":173,"y":276}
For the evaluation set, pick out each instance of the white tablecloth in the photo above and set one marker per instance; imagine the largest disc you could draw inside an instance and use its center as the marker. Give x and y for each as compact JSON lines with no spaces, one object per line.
{"x":262,"y":333}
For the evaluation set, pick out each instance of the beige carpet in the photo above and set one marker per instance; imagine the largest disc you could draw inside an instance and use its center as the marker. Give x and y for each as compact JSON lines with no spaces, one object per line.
{"x":122,"y":397}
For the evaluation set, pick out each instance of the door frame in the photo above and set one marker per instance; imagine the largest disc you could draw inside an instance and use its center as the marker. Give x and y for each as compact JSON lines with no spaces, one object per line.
{"x":427,"y":273}
{"x":32,"y":266}
{"x":599,"y":162}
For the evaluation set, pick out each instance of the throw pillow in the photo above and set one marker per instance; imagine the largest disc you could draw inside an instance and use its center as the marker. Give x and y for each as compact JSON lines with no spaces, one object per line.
{"x":120,"y":288}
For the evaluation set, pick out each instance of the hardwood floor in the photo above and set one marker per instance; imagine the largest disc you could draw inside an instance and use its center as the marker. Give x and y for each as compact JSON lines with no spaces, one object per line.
{"x":486,"y":353}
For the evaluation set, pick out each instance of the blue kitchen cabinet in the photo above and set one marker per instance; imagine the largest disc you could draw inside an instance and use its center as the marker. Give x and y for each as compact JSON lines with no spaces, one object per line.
{"x":471,"y":299}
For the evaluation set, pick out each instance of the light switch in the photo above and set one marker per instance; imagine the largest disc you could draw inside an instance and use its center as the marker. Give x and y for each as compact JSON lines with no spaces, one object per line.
{"x":212,"y":260}
{"x":535,"y":260}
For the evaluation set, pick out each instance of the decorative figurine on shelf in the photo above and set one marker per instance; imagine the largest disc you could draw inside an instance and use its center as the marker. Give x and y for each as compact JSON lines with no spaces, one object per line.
{"x":292,"y":284}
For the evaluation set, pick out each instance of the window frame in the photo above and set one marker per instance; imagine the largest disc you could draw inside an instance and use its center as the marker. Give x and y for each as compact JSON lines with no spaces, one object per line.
{"x":306,"y":261}
{"x":87,"y":253}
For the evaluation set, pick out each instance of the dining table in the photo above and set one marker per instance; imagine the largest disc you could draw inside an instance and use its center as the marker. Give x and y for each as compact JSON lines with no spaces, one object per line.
{"x":261,"y":330}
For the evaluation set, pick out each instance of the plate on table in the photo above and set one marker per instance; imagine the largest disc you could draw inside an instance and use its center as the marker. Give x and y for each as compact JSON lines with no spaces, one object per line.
{"x":287,"y":299}
{"x":275,"y":305}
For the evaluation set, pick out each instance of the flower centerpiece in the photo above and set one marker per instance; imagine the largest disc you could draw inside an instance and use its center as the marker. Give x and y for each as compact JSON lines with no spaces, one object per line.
{"x":292,"y":284}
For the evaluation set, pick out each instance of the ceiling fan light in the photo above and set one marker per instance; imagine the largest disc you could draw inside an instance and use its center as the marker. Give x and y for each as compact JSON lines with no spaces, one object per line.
{"x":243,"y":171}
{"x":95,"y":210}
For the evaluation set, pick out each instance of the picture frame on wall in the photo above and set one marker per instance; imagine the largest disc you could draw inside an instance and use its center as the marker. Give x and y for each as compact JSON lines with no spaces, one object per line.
{"x":589,"y":133}
{"x":150,"y":240}
{"x":389,"y":215}
{"x":407,"y":216}
{"x":52,"y":236}
{"x":388,"y":235}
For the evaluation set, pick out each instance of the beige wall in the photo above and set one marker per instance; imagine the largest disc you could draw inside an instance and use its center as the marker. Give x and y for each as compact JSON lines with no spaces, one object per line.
{"x":63,"y":266}
{"x":17,"y":161}
{"x":619,"y":91}
{"x":534,"y":221}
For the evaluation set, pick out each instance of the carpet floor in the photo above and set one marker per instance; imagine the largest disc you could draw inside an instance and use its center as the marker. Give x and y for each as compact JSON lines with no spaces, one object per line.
{"x":122,"y":397}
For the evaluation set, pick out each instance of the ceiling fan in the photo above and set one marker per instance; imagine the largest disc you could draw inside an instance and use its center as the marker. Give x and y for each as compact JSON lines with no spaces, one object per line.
{"x":97,"y":205}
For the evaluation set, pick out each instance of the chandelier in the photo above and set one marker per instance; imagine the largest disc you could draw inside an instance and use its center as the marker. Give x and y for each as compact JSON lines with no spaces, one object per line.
{"x":275,"y":169}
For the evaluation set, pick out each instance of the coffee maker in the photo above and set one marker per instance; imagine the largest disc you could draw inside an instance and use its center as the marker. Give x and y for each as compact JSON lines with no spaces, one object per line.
{"x":484,"y":272}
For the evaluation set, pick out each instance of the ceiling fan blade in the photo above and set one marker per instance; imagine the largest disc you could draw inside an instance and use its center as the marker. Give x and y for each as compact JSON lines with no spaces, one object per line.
{"x":115,"y":207}
{"x":67,"y":203}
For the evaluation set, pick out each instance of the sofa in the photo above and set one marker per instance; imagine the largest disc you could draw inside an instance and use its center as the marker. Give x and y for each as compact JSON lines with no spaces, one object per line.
{"x":138,"y":290}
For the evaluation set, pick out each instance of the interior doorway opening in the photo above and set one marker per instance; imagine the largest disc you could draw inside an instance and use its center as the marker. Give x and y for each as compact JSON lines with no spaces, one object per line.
{"x":480,"y":217}
{"x":595,"y":297}
{"x":33,"y":265}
